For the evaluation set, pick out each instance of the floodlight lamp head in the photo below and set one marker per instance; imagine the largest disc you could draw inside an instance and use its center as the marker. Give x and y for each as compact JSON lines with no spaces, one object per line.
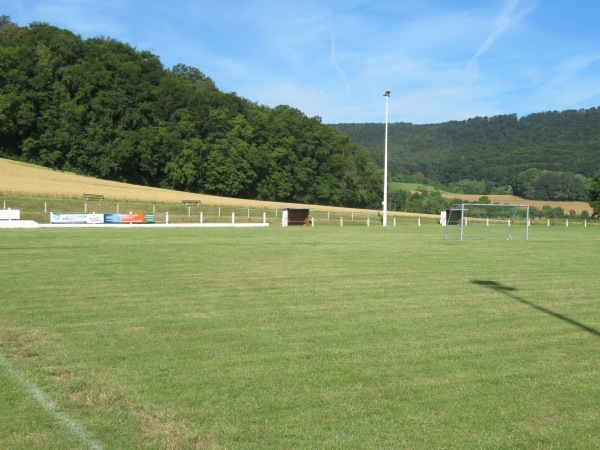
{"x":387,"y":93}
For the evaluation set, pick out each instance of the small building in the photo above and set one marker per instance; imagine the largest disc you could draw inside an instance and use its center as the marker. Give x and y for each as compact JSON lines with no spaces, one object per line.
{"x":295,"y":217}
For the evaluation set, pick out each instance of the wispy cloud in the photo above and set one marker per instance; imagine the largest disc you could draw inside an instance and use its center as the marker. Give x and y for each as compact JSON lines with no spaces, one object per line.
{"x":507,"y":17}
{"x":335,"y":62}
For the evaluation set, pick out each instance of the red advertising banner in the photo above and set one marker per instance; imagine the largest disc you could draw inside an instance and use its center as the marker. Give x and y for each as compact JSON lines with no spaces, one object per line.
{"x":133,"y":218}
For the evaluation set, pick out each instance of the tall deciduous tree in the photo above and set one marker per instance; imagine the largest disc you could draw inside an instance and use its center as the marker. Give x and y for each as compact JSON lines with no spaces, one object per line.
{"x":593,"y":194}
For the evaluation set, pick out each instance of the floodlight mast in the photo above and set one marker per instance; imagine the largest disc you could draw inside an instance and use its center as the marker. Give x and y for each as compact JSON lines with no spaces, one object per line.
{"x":385,"y":163}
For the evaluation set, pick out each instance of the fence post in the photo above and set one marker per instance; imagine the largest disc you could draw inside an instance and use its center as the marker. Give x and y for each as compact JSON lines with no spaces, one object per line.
{"x":419,"y":221}
{"x":341,"y":221}
{"x":233,"y":217}
{"x":368,"y":221}
{"x":189,"y":211}
{"x":201,"y":217}
{"x":264,"y":217}
{"x":394,"y":221}
{"x":167,"y":217}
{"x":567,"y":223}
{"x":313,"y":221}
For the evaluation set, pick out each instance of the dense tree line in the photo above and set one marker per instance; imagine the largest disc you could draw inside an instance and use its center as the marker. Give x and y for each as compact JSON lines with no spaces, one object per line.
{"x":539,"y":184}
{"x":102,"y":108}
{"x":493,"y":155}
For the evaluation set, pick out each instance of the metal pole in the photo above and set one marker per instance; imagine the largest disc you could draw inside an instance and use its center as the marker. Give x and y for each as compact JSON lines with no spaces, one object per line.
{"x":527,"y":227}
{"x":385,"y":163}
{"x":462,"y":220}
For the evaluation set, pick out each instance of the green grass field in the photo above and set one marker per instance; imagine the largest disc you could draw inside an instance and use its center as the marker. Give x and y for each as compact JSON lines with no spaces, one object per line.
{"x":323,"y":337}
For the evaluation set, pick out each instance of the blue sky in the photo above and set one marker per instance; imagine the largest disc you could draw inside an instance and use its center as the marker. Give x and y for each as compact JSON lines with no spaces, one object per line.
{"x":441,"y":59}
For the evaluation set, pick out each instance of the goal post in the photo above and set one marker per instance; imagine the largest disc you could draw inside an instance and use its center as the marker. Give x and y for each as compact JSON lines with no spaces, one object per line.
{"x":481,"y":221}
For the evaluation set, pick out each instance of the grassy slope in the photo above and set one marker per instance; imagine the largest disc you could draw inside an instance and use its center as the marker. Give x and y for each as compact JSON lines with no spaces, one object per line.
{"x":323,"y":337}
{"x":20,"y":179}
{"x":27,"y":180}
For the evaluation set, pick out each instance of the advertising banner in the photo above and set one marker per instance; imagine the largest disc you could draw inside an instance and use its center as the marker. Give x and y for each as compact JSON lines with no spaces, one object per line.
{"x":68,"y":218}
{"x":100,"y":218}
{"x":112,"y":218}
{"x":95,"y":218}
{"x":133,"y":218}
{"x":10,"y":214}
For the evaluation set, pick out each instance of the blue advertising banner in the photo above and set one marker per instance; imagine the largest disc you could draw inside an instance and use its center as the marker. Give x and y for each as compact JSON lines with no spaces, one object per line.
{"x":112,"y":218}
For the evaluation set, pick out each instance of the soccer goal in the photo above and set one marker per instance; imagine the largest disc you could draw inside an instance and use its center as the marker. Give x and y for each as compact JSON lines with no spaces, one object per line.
{"x":471,"y":221}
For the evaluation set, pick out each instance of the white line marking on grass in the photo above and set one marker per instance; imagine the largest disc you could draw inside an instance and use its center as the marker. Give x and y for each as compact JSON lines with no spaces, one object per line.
{"x":52,"y":407}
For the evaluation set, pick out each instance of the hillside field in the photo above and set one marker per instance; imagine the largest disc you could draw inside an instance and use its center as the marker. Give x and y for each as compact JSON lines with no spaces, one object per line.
{"x":27,"y":180}
{"x":578,"y":207}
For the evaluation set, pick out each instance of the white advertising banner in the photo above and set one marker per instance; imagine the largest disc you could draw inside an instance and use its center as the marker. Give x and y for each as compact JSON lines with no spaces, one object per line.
{"x":95,"y":218}
{"x":10,"y":214}
{"x":68,"y":218}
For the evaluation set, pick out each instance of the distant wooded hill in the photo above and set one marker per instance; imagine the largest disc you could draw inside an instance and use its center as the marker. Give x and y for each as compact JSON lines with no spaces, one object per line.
{"x":545,"y":156}
{"x":100,"y":107}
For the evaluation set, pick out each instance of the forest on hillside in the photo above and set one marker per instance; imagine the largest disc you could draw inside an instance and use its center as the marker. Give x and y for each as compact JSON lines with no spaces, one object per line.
{"x":100,"y":107}
{"x":542,"y":156}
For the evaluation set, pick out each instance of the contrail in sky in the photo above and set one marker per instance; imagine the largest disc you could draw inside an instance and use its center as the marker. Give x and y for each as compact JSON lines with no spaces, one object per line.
{"x":335,"y":63}
{"x":503,"y":22}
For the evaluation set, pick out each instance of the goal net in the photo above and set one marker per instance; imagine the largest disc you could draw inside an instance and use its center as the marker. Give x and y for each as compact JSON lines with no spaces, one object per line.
{"x":471,"y":221}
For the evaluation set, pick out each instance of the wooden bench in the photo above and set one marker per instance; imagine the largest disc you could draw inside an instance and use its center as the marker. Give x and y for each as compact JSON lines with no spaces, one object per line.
{"x":191,"y":202}
{"x":93,"y":197}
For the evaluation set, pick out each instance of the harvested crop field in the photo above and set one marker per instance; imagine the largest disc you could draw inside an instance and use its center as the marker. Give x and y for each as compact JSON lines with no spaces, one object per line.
{"x":578,"y":207}
{"x":27,"y":180}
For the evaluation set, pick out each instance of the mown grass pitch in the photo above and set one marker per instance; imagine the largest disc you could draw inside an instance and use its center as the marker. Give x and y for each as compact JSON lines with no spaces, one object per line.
{"x":324,"y":337}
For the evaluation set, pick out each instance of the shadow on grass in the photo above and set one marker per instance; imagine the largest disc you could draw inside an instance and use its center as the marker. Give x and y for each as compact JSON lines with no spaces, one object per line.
{"x":509,"y":292}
